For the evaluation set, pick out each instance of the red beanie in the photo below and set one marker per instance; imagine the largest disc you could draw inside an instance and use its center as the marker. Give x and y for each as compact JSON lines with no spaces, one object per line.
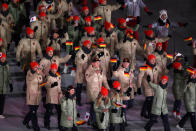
{"x":108,"y":25}
{"x":164,"y":77}
{"x":100,"y":40}
{"x":101,"y":1}
{"x":116,"y":84}
{"x":1,"y":39}
{"x":33,"y":65}
{"x":121,"y":21}
{"x":159,"y":44}
{"x":54,"y":66}
{"x":89,"y":29}
{"x":41,"y":6}
{"x":86,"y":42}
{"x":150,"y":57}
{"x":4,"y":5}
{"x":2,"y":55}
{"x":49,"y":49}
{"x":104,"y":91}
{"x":176,"y":65}
{"x":85,"y":8}
{"x":88,"y":19}
{"x":42,"y":14}
{"x":29,"y":31}
{"x":76,"y":18}
{"x":148,"y":32}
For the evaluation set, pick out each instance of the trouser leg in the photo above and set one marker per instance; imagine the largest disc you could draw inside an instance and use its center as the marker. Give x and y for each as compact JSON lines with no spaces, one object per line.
{"x":47,"y":115}
{"x":178,"y":107}
{"x":112,"y":127}
{"x":78,"y":93}
{"x":2,"y":103}
{"x":144,"y":109}
{"x":58,"y":108}
{"x":182,"y":122}
{"x":165,"y":122}
{"x":149,"y":104}
{"x":153,"y":119}
{"x":92,"y":113}
{"x":122,"y":126}
{"x":34,"y":119}
{"x":193,"y":120}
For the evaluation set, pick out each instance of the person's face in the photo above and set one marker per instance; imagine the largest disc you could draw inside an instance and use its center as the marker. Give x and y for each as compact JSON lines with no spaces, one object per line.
{"x":151,"y":35}
{"x":76,"y":23}
{"x":125,"y":64}
{"x":88,"y":46}
{"x":15,"y":1}
{"x":118,"y":88}
{"x":31,"y":35}
{"x":96,"y":64}
{"x":55,"y":35}
{"x":180,"y":68}
{"x":159,"y":48}
{"x":42,"y":17}
{"x":86,"y":12}
{"x":164,"y":81}
{"x":124,"y":24}
{"x":53,"y":71}
{"x":105,"y":2}
{"x":0,"y":43}
{"x":88,"y":23}
{"x":72,"y":92}
{"x":43,"y":9}
{"x":109,"y":29}
{"x":3,"y":59}
{"x":152,"y":61}
{"x":4,"y":9}
{"x":50,"y":53}
{"x":92,"y":33}
{"x":163,"y":16}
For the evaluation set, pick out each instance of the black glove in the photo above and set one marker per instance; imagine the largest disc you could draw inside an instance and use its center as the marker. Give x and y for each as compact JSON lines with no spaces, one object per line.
{"x":100,"y":54}
{"x":72,"y":53}
{"x":18,"y":63}
{"x":115,"y":67}
{"x":145,"y":26}
{"x":102,"y":117}
{"x":11,"y":88}
{"x":170,"y":36}
{"x":8,"y":46}
{"x":169,"y":66}
{"x":83,"y":56}
{"x":59,"y":41}
{"x":138,"y":20}
{"x":54,"y":84}
{"x":78,"y":115}
{"x":35,"y":29}
{"x":128,"y":92}
{"x":0,"y":21}
{"x":149,"y":13}
{"x":185,"y":24}
{"x":114,"y":110}
{"x":148,"y":78}
{"x":185,"y":59}
{"x":139,"y":92}
{"x":125,"y":39}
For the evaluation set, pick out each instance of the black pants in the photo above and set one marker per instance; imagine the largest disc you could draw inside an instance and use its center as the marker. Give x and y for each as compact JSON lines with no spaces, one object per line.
{"x":92,"y":113}
{"x":35,"y":3}
{"x":153,"y":119}
{"x":32,"y":116}
{"x":177,"y":106}
{"x":113,"y":127}
{"x":2,"y":103}
{"x":27,"y":8}
{"x":74,"y":128}
{"x":192,"y":117}
{"x":78,"y":93}
{"x":147,"y":106}
{"x":49,"y":108}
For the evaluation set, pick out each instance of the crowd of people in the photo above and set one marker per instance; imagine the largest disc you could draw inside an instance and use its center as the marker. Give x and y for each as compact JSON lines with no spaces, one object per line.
{"x":103,"y":60}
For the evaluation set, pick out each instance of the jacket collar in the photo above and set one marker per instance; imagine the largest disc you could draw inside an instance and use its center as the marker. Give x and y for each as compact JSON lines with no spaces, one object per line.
{"x":51,"y":74}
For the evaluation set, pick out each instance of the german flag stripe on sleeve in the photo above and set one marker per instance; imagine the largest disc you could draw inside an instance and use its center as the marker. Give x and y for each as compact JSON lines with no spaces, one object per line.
{"x":69,"y":43}
{"x":190,"y":69}
{"x":169,"y":56}
{"x":113,"y":60}
{"x":58,"y":74}
{"x":81,"y":122}
{"x":144,"y":46}
{"x":77,"y":48}
{"x":42,"y":84}
{"x":97,"y":18}
{"x":143,"y":68}
{"x":188,"y":39}
{"x":102,"y":45}
{"x":126,"y":74}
